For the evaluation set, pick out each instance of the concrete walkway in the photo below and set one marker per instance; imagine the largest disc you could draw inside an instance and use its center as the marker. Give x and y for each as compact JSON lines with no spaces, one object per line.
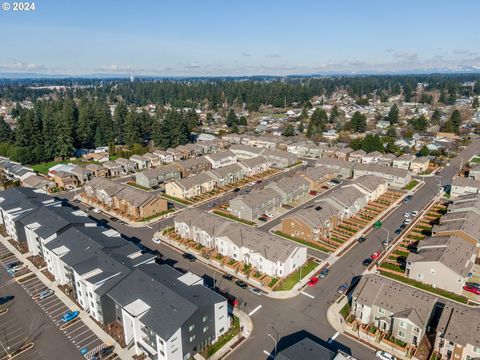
{"x":97,"y":330}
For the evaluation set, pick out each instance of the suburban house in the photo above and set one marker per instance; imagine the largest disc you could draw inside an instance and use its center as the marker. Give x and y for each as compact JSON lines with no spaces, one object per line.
{"x":442,"y":261}
{"x":113,"y":168}
{"x":403,"y":161}
{"x":127,"y":165}
{"x":395,"y":177}
{"x":461,"y":223}
{"x":194,"y":166}
{"x":229,"y":174}
{"x":265,"y":252}
{"x":124,"y":199}
{"x":311,"y":224}
{"x":347,"y":199}
{"x":37,"y":182}
{"x":343,"y":153}
{"x":356,"y":156}
{"x":192,"y":186}
{"x":97,"y":170}
{"x":221,"y":159}
{"x":245,"y":151}
{"x":278,"y":158}
{"x":253,"y":205}
{"x":97,"y":156}
{"x":463,"y":186}
{"x":166,"y":314}
{"x":153,"y":160}
{"x":177,"y":154}
{"x":371,"y":157}
{"x":65,"y":180}
{"x":81,"y":174}
{"x":395,"y":309}
{"x":343,"y":168}
{"x":165,"y":158}
{"x":317,"y":176}
{"x":372,"y":186}
{"x":67,"y":168}
{"x":386,"y":159}
{"x":457,"y":332}
{"x":156,"y":176}
{"x":420,"y":164}
{"x":141,"y":161}
{"x":290,"y":188}
{"x":254,"y":166}
{"x":307,"y":349}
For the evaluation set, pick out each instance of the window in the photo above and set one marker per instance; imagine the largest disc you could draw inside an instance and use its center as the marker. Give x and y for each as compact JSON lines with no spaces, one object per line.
{"x":191,"y":327}
{"x":476,"y":350}
{"x":221,"y":307}
{"x":459,"y":280}
{"x":403,"y":324}
{"x":205,"y":329}
{"x":401,"y":334}
{"x":419,"y":276}
{"x":381,"y":311}
{"x":173,"y":340}
{"x":174,"y":350}
{"x":221,"y":317}
{"x":192,"y":338}
{"x":205,"y":318}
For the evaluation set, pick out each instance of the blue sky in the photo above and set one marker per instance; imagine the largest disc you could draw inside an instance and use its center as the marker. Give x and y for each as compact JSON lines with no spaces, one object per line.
{"x":247,"y":37}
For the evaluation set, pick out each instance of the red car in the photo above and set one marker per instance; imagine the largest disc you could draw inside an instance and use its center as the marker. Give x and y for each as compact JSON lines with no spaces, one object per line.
{"x":313,"y":192}
{"x":375,"y":255}
{"x":312,"y":281}
{"x":472,"y":289}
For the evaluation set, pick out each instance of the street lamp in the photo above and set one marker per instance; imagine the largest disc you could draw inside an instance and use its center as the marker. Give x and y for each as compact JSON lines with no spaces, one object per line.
{"x":276,"y":342}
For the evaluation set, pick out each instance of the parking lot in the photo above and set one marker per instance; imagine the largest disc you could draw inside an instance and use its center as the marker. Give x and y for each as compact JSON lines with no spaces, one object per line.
{"x":76,"y":333}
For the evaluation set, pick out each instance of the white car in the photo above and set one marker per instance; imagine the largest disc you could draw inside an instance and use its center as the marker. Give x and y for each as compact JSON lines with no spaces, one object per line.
{"x":384,"y":355}
{"x":156,"y":240}
{"x":414,"y":213}
{"x":251,"y":183}
{"x":407,"y":221}
{"x":97,"y":210}
{"x":269,"y":215}
{"x":407,"y":214}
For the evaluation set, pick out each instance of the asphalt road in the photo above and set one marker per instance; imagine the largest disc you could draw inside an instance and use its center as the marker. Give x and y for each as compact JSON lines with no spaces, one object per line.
{"x":305,"y":315}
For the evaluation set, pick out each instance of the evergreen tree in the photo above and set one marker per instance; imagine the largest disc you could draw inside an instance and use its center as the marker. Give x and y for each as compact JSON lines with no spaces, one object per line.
{"x":301,"y":127}
{"x":456,"y":120}
{"x":65,"y":129}
{"x":86,"y":124}
{"x":436,"y":116}
{"x":131,"y":134}
{"x":6,"y":134}
{"x":358,"y":123}
{"x":475,"y":102}
{"x":231,"y":118}
{"x":393,"y":114}
{"x":289,"y":130}
{"x":419,"y":123}
{"x":317,"y":122}
{"x":242,"y":121}
{"x":119,"y":117}
{"x":424,"y":151}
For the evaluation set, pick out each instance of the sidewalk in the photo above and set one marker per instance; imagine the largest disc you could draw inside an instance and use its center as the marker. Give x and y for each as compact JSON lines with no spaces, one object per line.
{"x":98,"y":331}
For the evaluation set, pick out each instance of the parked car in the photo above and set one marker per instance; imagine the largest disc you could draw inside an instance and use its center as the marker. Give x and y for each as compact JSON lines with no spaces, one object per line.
{"x":103,"y":353}
{"x":228,"y":277}
{"x":375,"y":255}
{"x":407,"y":221}
{"x":6,"y":299}
{"x":398,"y":231}
{"x":313,"y":281}
{"x":407,"y":214}
{"x":252,"y":183}
{"x":69,"y":316}
{"x":336,"y":182}
{"x":361,"y":239}
{"x":268,"y":215}
{"x":324,"y":273}
{"x":263,"y":218}
{"x":472,"y":289}
{"x":97,"y":210}
{"x":156,"y":240}
{"x":13,"y":264}
{"x":76,"y":201}
{"x":384,"y":355}
{"x":189,"y":257}
{"x":259,"y":181}
{"x":44,"y":294}
{"x":342,"y":289}
{"x":313,"y":192}
{"x":367,"y":262}
{"x":255,"y":291}
{"x":407,"y":199}
{"x":473,"y":284}
{"x":385,"y":242}
{"x":236,"y":190}
{"x":241,"y":284}
{"x":414,"y":213}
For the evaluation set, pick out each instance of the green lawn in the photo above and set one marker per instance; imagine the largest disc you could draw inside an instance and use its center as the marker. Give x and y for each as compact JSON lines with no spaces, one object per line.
{"x":233,"y":217}
{"x":289,"y":282}
{"x":42,"y":168}
{"x":431,"y":289}
{"x":303,"y":242}
{"x":392,"y":267}
{"x":181,"y":201}
{"x":411,"y":185}
{"x":134,"y":184}
{"x":475,"y":160}
{"x":345,"y":311}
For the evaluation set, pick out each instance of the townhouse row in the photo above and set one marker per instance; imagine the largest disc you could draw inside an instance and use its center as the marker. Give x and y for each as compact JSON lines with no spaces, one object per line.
{"x":266,"y":253}
{"x":163,"y":313}
{"x":395,"y":177}
{"x":316,"y":222}
{"x":447,"y":258}
{"x":422,"y":321}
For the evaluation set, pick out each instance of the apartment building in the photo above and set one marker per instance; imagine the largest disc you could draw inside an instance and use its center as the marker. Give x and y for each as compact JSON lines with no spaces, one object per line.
{"x":190,"y":187}
{"x":253,"y":205}
{"x":221,"y":159}
{"x":153,"y":177}
{"x":194,"y":166}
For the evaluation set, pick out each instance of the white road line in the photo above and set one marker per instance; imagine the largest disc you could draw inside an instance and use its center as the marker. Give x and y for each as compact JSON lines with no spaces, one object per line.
{"x":255,"y":310}
{"x":333,"y":337}
{"x":310,"y":296}
{"x":267,"y":353}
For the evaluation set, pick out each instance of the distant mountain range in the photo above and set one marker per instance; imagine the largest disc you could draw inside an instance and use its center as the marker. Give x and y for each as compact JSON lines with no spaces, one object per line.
{"x":21,"y":75}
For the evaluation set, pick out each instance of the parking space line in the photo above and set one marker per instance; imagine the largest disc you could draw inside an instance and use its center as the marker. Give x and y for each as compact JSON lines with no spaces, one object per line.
{"x":73,"y":338}
{"x":89,"y":338}
{"x":52,"y":305}
{"x":50,"y":300}
{"x":268,"y":354}
{"x":54,"y":311}
{"x":74,"y":329}
{"x":306,"y":294}
{"x":255,"y":310}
